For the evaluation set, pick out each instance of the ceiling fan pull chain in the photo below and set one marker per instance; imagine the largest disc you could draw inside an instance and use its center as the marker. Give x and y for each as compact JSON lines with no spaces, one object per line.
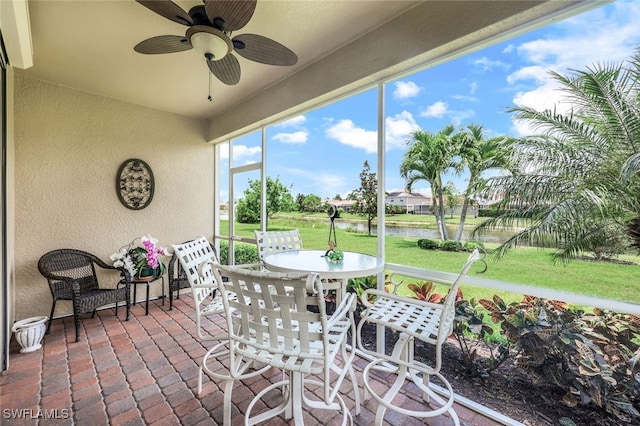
{"x":210,"y":98}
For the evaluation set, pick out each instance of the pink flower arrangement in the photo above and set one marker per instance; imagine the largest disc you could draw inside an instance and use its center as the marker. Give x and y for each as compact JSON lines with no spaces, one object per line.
{"x":153,"y":251}
{"x":141,"y":253}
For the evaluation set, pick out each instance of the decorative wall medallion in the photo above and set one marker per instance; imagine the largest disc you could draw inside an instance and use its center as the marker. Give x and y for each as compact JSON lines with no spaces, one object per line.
{"x":135,"y":184}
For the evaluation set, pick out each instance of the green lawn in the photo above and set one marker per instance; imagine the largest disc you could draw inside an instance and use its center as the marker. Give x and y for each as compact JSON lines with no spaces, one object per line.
{"x":525,"y":265}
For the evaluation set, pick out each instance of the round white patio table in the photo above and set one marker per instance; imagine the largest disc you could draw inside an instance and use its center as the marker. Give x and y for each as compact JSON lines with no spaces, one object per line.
{"x":353,"y":265}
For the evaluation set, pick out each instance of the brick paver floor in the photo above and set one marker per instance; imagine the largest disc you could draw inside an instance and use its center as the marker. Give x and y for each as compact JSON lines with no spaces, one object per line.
{"x":145,"y":372}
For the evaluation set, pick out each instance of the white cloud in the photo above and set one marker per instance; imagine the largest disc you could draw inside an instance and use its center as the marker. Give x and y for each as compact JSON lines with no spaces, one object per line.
{"x":457,"y":117}
{"x":435,"y":110}
{"x":406,"y":89}
{"x":487,"y":64}
{"x":545,"y":96}
{"x":398,"y":128}
{"x":295,"y":122}
{"x":347,"y":133}
{"x":473,"y":88}
{"x":298,"y":137}
{"x":537,"y":74}
{"x":245,"y":153}
{"x":329,"y":182}
{"x":465,"y":98}
{"x":441,"y":110}
{"x":601,"y":36}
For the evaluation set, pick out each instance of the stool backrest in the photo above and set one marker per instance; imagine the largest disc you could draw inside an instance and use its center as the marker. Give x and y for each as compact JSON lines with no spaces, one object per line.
{"x":197,"y":258}
{"x":272,"y":241}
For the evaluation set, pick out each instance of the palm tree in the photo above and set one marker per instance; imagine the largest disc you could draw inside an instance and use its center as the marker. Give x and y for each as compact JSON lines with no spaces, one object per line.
{"x":479,"y":155}
{"x":579,"y":177}
{"x":428,"y":156}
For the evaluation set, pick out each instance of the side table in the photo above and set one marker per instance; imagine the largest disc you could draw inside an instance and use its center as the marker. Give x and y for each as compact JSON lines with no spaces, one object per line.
{"x":136,"y":282}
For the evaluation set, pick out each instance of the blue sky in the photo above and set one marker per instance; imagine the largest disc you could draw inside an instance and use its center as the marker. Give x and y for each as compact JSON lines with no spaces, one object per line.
{"x":323,"y":151}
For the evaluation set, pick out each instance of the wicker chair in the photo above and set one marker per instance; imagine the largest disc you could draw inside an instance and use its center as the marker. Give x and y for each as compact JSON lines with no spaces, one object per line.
{"x":72,"y":276}
{"x":279,"y":320}
{"x":413,"y":319}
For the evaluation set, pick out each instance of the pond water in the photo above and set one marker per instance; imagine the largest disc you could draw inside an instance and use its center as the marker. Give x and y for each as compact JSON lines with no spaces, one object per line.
{"x":422,"y":232}
{"x":497,"y":237}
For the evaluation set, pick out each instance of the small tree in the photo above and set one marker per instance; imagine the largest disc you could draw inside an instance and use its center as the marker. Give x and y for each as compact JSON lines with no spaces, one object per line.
{"x":311,"y":203}
{"x":300,"y":202}
{"x":478,"y":155}
{"x":367,"y":195}
{"x":278,"y":199}
{"x":353,"y":195}
{"x":428,"y":157}
{"x":453,"y":196}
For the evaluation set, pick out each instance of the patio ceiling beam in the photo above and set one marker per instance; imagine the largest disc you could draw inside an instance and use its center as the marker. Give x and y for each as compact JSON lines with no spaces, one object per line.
{"x":16,"y":32}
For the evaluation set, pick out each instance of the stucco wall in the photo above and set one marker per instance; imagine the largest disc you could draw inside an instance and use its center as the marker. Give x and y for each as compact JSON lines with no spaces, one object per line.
{"x":68,"y":147}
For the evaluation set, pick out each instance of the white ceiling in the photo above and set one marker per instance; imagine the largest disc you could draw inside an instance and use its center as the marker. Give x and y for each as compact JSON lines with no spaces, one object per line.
{"x":88,"y":45}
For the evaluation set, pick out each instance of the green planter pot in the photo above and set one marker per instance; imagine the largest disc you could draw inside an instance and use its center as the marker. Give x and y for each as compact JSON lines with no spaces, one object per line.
{"x":148,"y":274}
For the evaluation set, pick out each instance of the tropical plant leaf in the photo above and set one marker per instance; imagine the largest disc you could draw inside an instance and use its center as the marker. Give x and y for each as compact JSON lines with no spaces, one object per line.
{"x":570,"y":401}
{"x":499,"y":302}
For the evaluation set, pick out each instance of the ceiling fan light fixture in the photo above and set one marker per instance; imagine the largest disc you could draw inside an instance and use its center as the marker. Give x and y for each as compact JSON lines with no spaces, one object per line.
{"x":209,"y":29}
{"x":211,"y":45}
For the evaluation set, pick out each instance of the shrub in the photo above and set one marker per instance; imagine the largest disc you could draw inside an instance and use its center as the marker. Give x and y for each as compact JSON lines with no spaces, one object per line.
{"x":359,"y":285}
{"x":593,"y":358}
{"x":450,"y":245}
{"x":471,"y":331}
{"x":425,"y":290}
{"x":471,"y":245}
{"x":394,"y":209}
{"x":351,"y":229}
{"x":244,"y":253}
{"x":608,"y":242}
{"x":491,"y":212}
{"x":428,"y":244}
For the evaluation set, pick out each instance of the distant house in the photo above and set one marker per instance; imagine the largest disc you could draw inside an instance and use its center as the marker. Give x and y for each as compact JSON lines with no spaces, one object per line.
{"x":412,"y":202}
{"x":346,"y":205}
{"x":488,"y":203}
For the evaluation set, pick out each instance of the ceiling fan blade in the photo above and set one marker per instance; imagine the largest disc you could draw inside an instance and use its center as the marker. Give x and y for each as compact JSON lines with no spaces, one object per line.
{"x":169,"y":10}
{"x":162,"y":44}
{"x":229,"y":15}
{"x":227,"y":69}
{"x":264,"y":50}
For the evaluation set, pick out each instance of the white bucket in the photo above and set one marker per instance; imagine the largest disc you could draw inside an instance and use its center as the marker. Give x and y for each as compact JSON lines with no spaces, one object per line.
{"x":29,"y":333}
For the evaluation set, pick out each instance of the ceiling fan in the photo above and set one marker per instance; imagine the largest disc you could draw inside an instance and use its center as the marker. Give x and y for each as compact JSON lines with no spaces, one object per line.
{"x":209,"y":33}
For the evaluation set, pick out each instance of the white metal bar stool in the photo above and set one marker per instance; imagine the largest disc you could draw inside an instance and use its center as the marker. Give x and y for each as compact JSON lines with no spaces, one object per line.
{"x":279,"y":319}
{"x":414,"y":319}
{"x":198,"y":260}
